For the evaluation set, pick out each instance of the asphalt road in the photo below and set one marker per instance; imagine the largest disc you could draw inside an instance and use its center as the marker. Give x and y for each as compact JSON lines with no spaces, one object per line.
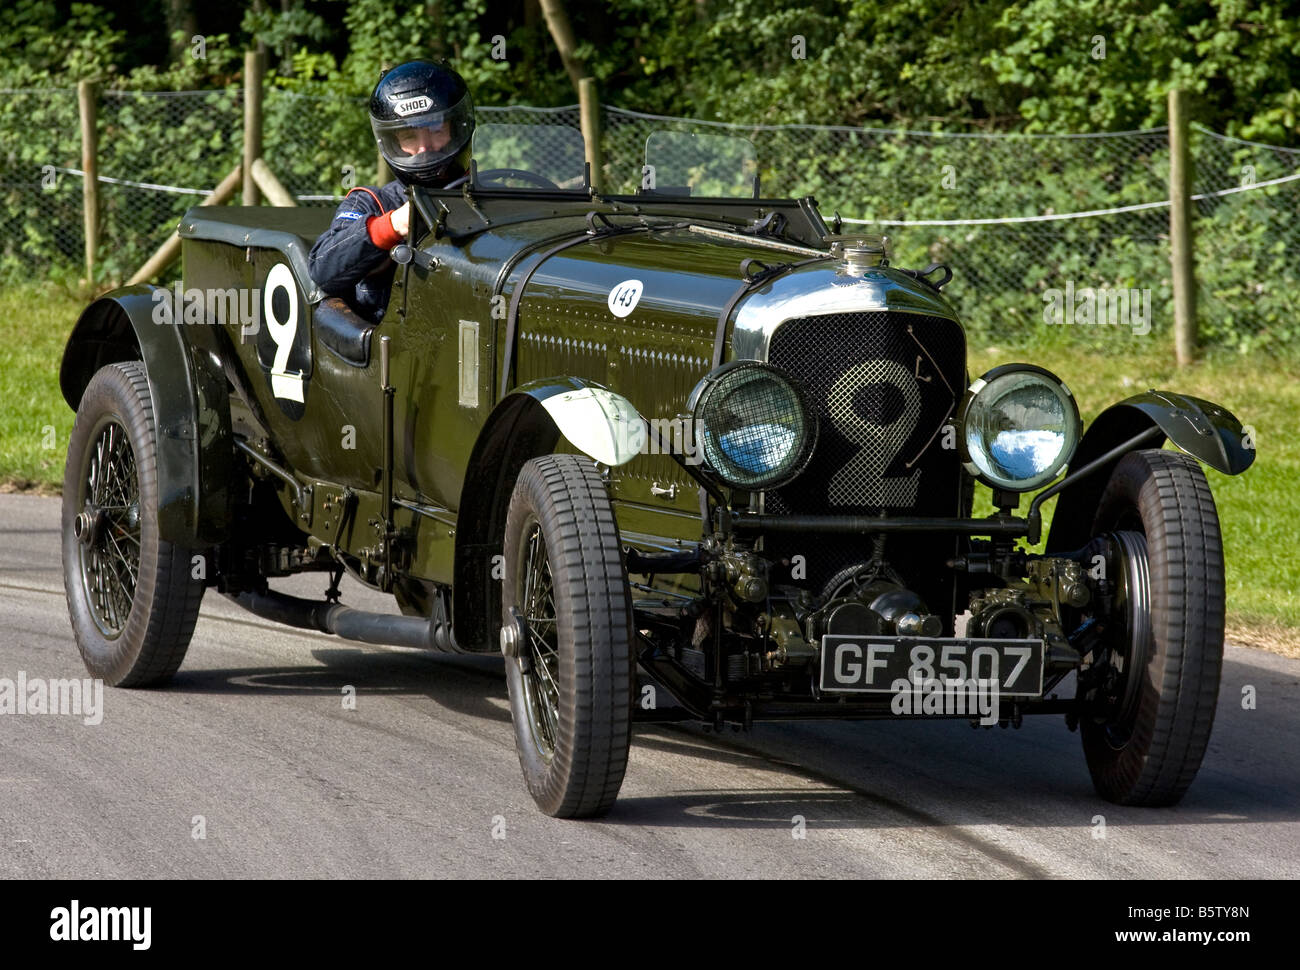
{"x":422,"y":780}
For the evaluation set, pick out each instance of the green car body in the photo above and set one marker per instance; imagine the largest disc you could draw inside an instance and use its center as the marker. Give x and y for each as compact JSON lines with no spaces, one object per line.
{"x":501,"y":344}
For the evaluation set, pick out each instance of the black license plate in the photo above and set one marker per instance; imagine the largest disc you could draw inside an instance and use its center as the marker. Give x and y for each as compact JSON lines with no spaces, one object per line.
{"x":877,"y":664}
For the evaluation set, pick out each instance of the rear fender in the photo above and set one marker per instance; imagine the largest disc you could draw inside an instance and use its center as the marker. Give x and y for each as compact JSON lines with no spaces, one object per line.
{"x":191,"y":403}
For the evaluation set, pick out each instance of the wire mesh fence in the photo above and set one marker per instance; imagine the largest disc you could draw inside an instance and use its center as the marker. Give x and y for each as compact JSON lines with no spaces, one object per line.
{"x":319,"y":146}
{"x":39,"y":136}
{"x":1039,"y":229}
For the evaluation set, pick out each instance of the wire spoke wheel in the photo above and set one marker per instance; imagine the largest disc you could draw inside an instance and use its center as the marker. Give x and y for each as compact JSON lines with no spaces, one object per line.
{"x":133,"y":597}
{"x":567,"y":633}
{"x":542,"y":671}
{"x":108,"y":528}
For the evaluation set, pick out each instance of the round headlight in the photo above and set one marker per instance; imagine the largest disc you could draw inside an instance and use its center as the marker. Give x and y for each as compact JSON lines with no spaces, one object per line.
{"x":754,"y":427}
{"x":1020,"y":426}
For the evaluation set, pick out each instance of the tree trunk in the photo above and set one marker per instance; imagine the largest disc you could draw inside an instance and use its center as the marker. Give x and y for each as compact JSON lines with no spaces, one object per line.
{"x":180,"y":17}
{"x":286,"y":52}
{"x":437,"y":41}
{"x":562,"y":33}
{"x":258,"y":7}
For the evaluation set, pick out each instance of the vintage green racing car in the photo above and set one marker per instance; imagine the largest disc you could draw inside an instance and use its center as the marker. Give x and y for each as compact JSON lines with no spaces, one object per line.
{"x":674,"y":455}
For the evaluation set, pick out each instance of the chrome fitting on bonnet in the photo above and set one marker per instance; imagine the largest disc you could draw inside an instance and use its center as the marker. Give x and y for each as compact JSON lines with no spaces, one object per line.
{"x":860,"y":251}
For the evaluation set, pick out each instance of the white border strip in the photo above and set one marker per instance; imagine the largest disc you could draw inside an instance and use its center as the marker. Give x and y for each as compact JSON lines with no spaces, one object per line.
{"x":1066,"y":215}
{"x":1008,"y":220}
{"x":1008,"y":136}
{"x":178,"y":189}
{"x":1196,"y":126}
{"x":182,"y":190}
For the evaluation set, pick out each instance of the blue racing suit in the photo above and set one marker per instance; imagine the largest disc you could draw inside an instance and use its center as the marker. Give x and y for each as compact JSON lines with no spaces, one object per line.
{"x":351,"y":259}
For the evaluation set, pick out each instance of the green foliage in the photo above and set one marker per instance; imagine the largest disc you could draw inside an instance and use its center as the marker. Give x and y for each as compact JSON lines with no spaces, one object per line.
{"x":39,"y":44}
{"x":1036,"y":64}
{"x":972,"y":66}
{"x":841,"y":62}
{"x":1237,"y":59}
{"x":282,"y":28}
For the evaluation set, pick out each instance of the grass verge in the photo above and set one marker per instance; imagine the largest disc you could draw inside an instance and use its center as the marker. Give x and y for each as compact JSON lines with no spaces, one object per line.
{"x":35,"y":421}
{"x":1259,"y":510}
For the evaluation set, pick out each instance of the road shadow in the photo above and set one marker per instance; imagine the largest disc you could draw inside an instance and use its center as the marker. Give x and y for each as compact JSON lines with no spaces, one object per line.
{"x":969,"y":778}
{"x":871,"y":773}
{"x":465,"y":684}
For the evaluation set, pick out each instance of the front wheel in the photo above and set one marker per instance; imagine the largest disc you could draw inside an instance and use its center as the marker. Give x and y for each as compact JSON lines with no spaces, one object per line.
{"x":567,"y":636}
{"x":1149,"y":706}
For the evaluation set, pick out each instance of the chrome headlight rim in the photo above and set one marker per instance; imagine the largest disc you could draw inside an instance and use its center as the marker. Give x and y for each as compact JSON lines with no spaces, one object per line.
{"x":720,"y":380}
{"x":986,"y":388}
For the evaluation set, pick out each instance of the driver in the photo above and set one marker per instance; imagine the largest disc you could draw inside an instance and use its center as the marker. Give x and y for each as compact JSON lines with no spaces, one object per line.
{"x":423,"y":120}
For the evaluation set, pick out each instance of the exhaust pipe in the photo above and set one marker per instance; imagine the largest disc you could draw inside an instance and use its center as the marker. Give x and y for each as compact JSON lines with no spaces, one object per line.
{"x":343,"y":621}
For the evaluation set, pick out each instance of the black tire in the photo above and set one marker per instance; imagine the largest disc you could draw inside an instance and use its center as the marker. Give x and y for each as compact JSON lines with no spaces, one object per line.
{"x":131,"y":596}
{"x":1144,"y":743}
{"x":571,"y":685}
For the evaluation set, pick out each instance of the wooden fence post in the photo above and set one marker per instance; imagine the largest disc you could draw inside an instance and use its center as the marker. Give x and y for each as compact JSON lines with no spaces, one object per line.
{"x":252,"y":123}
{"x":1182,"y":255}
{"x":89,"y":165}
{"x":589,"y":115}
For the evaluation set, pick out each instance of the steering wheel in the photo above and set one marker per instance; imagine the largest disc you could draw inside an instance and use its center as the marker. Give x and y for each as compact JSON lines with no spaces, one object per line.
{"x":497,"y":174}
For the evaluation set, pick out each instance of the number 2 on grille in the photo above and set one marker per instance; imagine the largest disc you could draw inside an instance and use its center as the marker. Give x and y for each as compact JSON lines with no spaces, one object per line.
{"x":861,"y":480}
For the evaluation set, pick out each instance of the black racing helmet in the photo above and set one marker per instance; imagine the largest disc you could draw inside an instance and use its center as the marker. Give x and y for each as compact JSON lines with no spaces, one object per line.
{"x":423,"y":119}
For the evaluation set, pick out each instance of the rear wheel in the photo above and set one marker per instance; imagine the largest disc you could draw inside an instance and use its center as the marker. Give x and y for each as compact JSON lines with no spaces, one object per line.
{"x":132,"y":597}
{"x":1150,"y":704}
{"x":567,"y":636}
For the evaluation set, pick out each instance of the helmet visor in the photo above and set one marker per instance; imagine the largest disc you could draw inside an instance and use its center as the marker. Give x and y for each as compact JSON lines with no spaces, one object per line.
{"x":424,"y":134}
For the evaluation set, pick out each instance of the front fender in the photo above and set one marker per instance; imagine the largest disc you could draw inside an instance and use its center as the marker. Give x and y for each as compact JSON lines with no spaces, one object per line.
{"x":191,"y":405}
{"x":598,"y":422}
{"x":1205,"y":430}
{"x":526,"y":423}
